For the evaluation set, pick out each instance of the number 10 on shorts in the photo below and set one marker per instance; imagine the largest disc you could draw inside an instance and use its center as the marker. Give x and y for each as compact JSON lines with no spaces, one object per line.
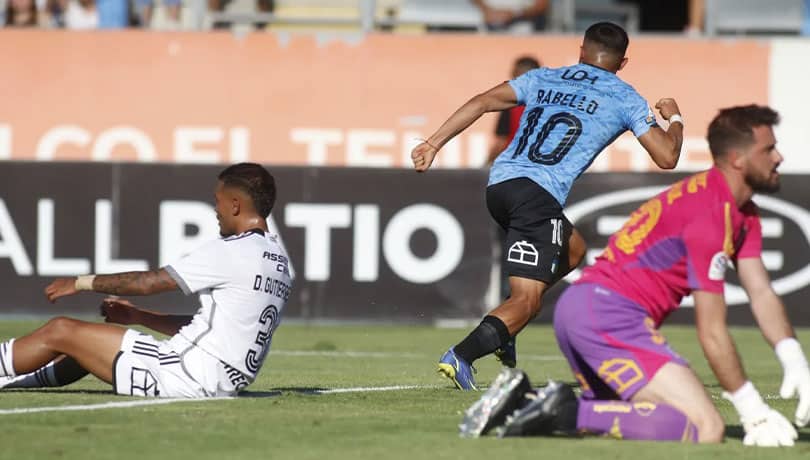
{"x":556,"y":231}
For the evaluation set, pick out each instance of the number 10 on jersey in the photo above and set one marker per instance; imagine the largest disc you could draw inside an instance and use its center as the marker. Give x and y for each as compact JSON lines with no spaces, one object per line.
{"x":559,"y":152}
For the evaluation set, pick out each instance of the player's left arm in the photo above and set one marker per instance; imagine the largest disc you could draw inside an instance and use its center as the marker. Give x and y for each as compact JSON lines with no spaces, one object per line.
{"x":124,"y":312}
{"x":763,"y":426}
{"x":663,"y":146}
{"x":127,"y":283}
{"x":769,"y":312}
{"x":716,"y":341}
{"x":768,"y":309}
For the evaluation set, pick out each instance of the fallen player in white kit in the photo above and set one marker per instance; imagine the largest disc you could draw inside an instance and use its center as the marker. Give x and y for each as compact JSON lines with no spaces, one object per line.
{"x":243,"y":282}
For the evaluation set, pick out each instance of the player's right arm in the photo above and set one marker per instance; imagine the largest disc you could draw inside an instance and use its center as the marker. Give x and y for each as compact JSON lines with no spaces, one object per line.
{"x":763,"y":426}
{"x":501,"y":97}
{"x":664,"y":147}
{"x":127,"y":283}
{"x":123,"y":312}
{"x":205,"y":267}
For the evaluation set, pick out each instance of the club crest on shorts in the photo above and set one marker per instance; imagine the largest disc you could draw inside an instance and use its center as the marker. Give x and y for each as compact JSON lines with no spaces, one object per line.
{"x":718,"y":265}
{"x":523,"y":252}
{"x":143,"y":383}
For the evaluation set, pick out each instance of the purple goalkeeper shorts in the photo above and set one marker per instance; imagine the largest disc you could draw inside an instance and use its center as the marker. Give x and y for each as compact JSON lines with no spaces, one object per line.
{"x":610,"y":342}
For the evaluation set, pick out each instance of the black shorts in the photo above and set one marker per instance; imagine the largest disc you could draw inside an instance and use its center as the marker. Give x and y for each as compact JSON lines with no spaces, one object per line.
{"x":537,"y":232}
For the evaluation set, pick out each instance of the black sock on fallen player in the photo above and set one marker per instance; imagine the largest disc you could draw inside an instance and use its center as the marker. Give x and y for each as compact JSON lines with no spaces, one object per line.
{"x":487,"y":337}
{"x":60,"y":372}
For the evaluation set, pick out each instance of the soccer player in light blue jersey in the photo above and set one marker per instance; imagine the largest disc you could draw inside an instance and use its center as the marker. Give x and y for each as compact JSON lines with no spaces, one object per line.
{"x":572,"y":113}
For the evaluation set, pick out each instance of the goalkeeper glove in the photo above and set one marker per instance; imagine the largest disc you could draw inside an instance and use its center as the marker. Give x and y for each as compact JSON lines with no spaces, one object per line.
{"x":763,"y":426}
{"x":796,"y":380}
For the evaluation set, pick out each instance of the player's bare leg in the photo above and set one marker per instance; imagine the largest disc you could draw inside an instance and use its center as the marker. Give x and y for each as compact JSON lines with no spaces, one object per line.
{"x":93,"y":346}
{"x":522,"y":305}
{"x":498,"y":329}
{"x":679,"y":387}
{"x":576,"y":250}
{"x":507,"y":353}
{"x":673,"y":406}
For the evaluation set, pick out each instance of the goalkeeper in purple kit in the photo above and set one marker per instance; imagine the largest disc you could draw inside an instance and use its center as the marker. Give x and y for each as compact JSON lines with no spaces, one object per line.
{"x":680,"y":242}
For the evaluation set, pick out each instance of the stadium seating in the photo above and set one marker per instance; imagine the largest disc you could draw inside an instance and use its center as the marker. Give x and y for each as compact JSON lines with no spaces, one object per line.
{"x":407,"y":15}
{"x":447,"y":13}
{"x":753,"y":16}
{"x":577,"y":15}
{"x":307,"y":15}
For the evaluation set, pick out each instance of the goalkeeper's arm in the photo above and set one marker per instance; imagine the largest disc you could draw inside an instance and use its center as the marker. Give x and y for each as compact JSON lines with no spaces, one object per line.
{"x":763,"y":426}
{"x":772,"y":319}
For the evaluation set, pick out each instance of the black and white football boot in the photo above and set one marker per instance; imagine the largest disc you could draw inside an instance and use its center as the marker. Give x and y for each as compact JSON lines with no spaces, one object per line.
{"x":506,"y":395}
{"x":550,"y":410}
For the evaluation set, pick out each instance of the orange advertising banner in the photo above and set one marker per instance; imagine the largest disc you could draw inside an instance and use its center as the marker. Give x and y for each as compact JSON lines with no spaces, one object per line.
{"x":310,"y":100}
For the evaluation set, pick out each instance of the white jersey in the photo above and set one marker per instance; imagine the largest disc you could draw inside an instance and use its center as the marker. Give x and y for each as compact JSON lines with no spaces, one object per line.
{"x":243,"y":282}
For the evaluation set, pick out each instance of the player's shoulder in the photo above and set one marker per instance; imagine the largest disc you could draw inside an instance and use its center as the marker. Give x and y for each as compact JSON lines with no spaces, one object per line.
{"x":248,"y":242}
{"x":534,"y":75}
{"x":255,"y":239}
{"x":716,"y":195}
{"x":274,"y":242}
{"x":701,"y":195}
{"x":244,"y":236}
{"x":211,"y":246}
{"x":622,"y":82}
{"x":628,"y":93}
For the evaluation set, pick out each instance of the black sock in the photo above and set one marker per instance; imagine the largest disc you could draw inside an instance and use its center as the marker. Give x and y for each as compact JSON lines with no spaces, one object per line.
{"x":59,"y":372}
{"x":490,"y":335}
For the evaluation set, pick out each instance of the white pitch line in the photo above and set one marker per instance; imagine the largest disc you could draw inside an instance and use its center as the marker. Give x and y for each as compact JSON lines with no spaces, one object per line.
{"x":370,"y":389}
{"x":540,"y":358}
{"x":153,"y":402}
{"x":107,"y":405}
{"x":385,"y":355}
{"x":345,"y":354}
{"x":766,"y":397}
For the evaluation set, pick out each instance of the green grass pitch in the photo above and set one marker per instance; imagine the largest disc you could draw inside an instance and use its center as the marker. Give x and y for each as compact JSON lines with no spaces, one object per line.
{"x":281,"y":417}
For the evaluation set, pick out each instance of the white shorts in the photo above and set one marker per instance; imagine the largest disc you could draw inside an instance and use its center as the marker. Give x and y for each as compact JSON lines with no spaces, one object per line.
{"x":172,"y":368}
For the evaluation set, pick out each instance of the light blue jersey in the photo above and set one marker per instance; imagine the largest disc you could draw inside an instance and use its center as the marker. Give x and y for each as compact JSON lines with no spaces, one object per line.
{"x":572,"y":114}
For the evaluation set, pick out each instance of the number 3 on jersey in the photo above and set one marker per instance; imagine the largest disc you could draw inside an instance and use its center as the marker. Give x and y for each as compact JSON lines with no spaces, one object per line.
{"x":269,"y":321}
{"x":561,"y":150}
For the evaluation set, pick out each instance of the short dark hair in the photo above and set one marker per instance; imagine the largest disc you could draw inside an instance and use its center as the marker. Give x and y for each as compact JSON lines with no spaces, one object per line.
{"x":733,"y":127}
{"x":609,"y":37}
{"x":254,"y":180}
{"x":527,"y":62}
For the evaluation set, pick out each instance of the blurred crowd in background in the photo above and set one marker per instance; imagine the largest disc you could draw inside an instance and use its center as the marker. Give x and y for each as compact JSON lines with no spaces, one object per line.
{"x":690,"y":17}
